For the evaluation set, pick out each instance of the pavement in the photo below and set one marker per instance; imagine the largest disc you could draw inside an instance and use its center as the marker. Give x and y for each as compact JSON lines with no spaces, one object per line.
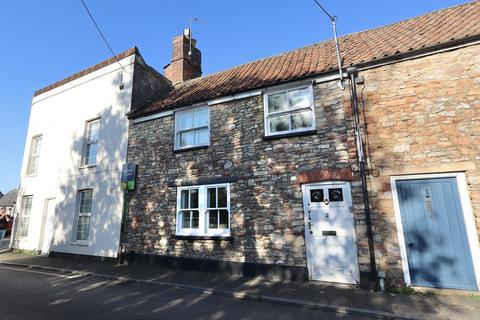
{"x":337,"y":301}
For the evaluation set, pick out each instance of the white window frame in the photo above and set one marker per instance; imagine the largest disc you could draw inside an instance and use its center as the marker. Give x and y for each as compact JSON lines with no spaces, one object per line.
{"x":87,"y":142}
{"x":82,"y":214}
{"x":25,"y":225}
{"x":203,"y":225}
{"x":178,"y":131}
{"x":268,"y":115}
{"x":32,"y":155}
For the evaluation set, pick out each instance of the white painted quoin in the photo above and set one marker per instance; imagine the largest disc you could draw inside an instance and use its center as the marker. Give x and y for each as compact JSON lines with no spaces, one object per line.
{"x":60,"y":116}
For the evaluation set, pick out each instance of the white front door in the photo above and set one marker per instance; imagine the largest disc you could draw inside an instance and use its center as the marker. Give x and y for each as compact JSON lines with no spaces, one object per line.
{"x":330,"y":233}
{"x":48,"y":225}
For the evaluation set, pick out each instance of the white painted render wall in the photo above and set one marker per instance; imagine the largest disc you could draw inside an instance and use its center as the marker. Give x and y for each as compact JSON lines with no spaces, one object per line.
{"x":60,"y":116}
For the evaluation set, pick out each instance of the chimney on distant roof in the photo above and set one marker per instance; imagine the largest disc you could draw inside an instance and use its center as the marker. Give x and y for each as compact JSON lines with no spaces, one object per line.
{"x":186,"y":59}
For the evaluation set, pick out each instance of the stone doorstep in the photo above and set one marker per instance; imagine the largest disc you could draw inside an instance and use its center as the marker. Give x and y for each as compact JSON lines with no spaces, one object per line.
{"x":241,"y":295}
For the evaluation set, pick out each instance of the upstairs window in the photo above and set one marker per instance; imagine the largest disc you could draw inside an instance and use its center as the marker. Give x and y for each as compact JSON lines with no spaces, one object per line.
{"x":203,"y":210}
{"x":89,"y":157}
{"x":289,"y":111}
{"x":192,"y":128}
{"x":34,"y":156}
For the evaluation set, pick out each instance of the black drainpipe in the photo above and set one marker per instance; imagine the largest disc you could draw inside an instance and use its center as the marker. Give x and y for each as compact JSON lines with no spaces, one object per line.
{"x":353,"y":73}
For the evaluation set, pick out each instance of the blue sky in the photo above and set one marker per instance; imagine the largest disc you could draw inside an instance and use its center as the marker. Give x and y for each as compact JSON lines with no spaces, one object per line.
{"x":45,"y":41}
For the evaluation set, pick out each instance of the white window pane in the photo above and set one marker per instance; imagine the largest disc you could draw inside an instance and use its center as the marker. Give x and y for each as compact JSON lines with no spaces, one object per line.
{"x":185,"y":219}
{"x":195,"y":219}
{"x":202,"y":136}
{"x":223,"y":219}
{"x":277,"y":102}
{"x":83,"y":227}
{"x":200,"y":118}
{"x":38,"y":145}
{"x":302,"y":120}
{"x":24,"y":227}
{"x":187,"y":138}
{"x":280,"y":123}
{"x":222,"y":197}
{"x":90,"y":154}
{"x":34,"y":155}
{"x":213,"y":219}
{"x":299,"y":98}
{"x":212,"y":197}
{"x":92,"y":130}
{"x":194,"y":198}
{"x":185,"y":120}
{"x":184,"y":199}
{"x":85,"y":202}
{"x":33,"y":165}
{"x":28,"y":204}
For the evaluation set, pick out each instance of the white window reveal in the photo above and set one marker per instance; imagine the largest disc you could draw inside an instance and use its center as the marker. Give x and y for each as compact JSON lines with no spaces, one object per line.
{"x":34,"y":157}
{"x":83,"y":215}
{"x":192,"y":128}
{"x":91,"y":143}
{"x":289,"y":111}
{"x":25,"y":214}
{"x":203,"y":210}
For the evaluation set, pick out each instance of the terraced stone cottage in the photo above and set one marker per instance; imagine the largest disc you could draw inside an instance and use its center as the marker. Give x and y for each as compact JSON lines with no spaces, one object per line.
{"x":255,"y":169}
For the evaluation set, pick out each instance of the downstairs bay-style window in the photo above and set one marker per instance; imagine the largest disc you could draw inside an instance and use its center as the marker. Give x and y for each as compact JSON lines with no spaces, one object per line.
{"x":192,"y":128}
{"x":289,"y":111}
{"x":203,"y":210}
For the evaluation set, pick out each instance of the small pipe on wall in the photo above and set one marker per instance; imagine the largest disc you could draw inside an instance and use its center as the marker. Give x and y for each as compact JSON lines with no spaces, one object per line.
{"x":353,"y":74}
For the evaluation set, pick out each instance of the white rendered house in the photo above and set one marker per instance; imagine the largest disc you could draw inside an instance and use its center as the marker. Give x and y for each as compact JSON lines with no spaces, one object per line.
{"x":70,"y":198}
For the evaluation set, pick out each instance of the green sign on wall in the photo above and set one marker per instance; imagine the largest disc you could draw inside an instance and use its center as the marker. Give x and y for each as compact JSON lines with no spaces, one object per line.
{"x":128,"y":176}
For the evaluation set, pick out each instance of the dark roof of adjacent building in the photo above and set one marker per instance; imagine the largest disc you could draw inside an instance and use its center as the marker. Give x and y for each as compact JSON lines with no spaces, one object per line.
{"x":9,"y":199}
{"x":84,"y":72}
{"x":425,"y":33}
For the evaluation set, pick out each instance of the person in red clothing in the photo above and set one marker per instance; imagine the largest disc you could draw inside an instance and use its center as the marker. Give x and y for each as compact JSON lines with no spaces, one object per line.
{"x":4,"y":219}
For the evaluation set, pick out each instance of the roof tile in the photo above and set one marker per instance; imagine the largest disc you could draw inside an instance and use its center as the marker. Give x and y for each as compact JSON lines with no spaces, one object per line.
{"x":434,"y":28}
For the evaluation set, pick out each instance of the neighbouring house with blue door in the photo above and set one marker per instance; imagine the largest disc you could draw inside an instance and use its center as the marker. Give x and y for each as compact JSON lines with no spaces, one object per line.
{"x":255,"y":169}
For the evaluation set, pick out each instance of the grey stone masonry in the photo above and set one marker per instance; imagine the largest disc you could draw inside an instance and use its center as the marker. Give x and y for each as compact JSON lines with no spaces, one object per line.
{"x":267,"y":218}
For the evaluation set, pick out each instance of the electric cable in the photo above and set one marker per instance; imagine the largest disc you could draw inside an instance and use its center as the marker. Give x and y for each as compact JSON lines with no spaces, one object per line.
{"x":101,"y":33}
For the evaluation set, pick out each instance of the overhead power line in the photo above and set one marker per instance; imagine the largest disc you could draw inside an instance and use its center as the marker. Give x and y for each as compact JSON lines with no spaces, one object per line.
{"x":323,"y":9}
{"x":101,"y":33}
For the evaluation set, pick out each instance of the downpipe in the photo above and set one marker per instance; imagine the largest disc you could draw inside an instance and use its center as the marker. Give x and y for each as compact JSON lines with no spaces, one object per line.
{"x":353,"y":74}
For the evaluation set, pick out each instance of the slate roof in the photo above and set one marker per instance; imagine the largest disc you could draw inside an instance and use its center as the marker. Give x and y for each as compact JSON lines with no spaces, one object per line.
{"x":444,"y":27}
{"x":9,"y":199}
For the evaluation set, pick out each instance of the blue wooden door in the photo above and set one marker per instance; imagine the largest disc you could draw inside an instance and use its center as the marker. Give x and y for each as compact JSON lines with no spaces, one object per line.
{"x":435,"y":235}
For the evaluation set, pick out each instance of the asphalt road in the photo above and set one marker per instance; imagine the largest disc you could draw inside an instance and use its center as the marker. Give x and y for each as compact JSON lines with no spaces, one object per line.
{"x":38,"y":294}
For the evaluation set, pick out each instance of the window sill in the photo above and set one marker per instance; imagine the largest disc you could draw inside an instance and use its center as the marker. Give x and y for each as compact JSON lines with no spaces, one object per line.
{"x":83,"y":243}
{"x":289,"y":135}
{"x":187,"y":237}
{"x":190,"y":149}
{"x":31,"y":175}
{"x":88,"y":166}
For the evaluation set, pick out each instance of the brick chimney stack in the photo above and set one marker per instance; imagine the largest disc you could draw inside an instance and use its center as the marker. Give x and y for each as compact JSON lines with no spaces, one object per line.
{"x":185,"y":65}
